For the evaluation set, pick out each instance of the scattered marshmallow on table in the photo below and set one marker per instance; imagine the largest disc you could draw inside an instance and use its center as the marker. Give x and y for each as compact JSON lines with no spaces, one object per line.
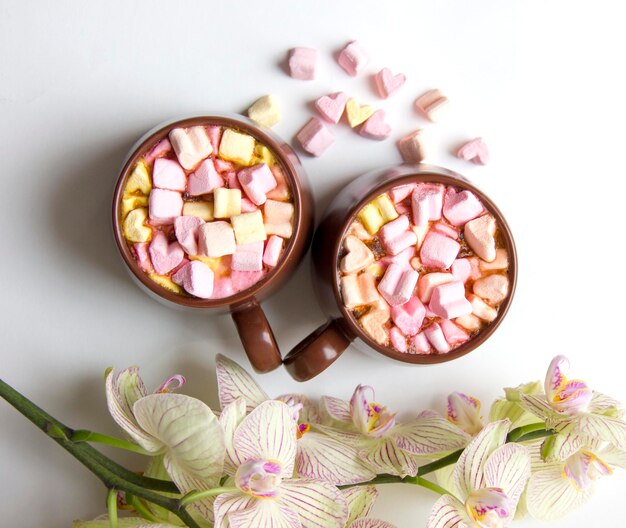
{"x":357,"y":113}
{"x":413,"y":147}
{"x":265,"y":111}
{"x":353,"y":58}
{"x":302,"y":63}
{"x":387,"y":83}
{"x":315,"y":137}
{"x":332,"y":106}
{"x":475,"y":151}
{"x":432,"y":104}
{"x":375,"y":127}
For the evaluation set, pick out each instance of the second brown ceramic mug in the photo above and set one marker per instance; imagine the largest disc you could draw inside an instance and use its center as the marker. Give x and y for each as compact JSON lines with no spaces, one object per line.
{"x":320,"y":349}
{"x":253,"y":328}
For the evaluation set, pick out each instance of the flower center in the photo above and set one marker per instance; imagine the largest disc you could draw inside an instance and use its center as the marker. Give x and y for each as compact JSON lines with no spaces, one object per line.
{"x":260,"y":478}
{"x":379,"y":419}
{"x":489,"y":508}
{"x":583,"y":468}
{"x":302,"y":429}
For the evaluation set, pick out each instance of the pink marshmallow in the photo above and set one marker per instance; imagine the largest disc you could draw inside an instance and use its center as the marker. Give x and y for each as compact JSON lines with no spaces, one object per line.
{"x":438,"y":251}
{"x":461,"y":207}
{"x":387,"y":83}
{"x":454,"y":334}
{"x":430,"y":281}
{"x":315,"y":137}
{"x":461,"y":269}
{"x":301,"y":63}
{"x":168,"y":174}
{"x":353,"y":58}
{"x":216,"y":239}
{"x":402,"y":209}
{"x":278,"y":218}
{"x":162,"y":148}
{"x":403,"y":258}
{"x":397,"y":284}
{"x":196,"y":278}
{"x":331,"y":107}
{"x":215,"y":135}
{"x":204,"y":180}
{"x":273,"y":249}
{"x":427,"y":201}
{"x":281,"y":191}
{"x":232,"y":180}
{"x":186,"y":229}
{"x":474,"y":150}
{"x":446,"y":230}
{"x":435,"y":337}
{"x":421,"y":344}
{"x":398,"y":340}
{"x":164,"y":206}
{"x":223,"y":165}
{"x":409,"y":316}
{"x":375,"y":127}
{"x":248,"y":257}
{"x":247,"y":206}
{"x":448,"y":300}
{"x":394,"y":229}
{"x":182,"y":264}
{"x":142,"y":257}
{"x":222,"y":287}
{"x":163,"y":255}
{"x":400,"y":192}
{"x":256,"y":182}
{"x":242,"y":280}
{"x":404,"y":241}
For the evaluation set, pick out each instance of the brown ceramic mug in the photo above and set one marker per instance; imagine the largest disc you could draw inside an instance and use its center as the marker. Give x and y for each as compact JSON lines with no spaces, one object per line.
{"x":253,"y":328}
{"x":321,"y":348}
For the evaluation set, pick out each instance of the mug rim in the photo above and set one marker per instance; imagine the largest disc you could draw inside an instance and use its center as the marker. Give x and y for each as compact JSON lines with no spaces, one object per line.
{"x":266,"y":137}
{"x":426,"y":174}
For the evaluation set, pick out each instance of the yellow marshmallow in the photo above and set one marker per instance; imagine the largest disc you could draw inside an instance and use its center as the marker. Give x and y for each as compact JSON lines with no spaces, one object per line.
{"x":226,"y":202}
{"x":203,"y":210}
{"x":249,"y":227}
{"x":386,"y":208}
{"x":357,"y":113}
{"x":165,"y":282}
{"x":377,"y":213}
{"x":139,"y":180}
{"x":134,"y":228}
{"x":132,"y":202}
{"x":237,"y":147}
{"x":219,"y":265}
{"x":263,"y":155}
{"x":265,"y":111}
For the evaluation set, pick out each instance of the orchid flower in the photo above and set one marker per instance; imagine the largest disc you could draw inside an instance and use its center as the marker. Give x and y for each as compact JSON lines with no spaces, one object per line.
{"x":318,"y":456}
{"x":489,"y":479}
{"x":464,"y":412}
{"x":261,"y":452}
{"x":509,"y":407}
{"x":384,"y":444}
{"x":360,"y":501}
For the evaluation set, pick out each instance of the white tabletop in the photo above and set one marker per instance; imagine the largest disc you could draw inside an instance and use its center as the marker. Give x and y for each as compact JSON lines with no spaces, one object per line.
{"x":81,"y":81}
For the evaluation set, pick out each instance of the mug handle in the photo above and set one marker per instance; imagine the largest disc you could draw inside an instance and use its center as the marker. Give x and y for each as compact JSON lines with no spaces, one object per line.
{"x":316,"y":352}
{"x":257,"y":338}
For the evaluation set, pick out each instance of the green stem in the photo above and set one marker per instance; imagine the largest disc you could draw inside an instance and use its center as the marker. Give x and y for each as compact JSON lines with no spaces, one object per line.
{"x":112,"y":508}
{"x":84,"y":435}
{"x":141,"y":508}
{"x":194,"y":496}
{"x":429,"y":485}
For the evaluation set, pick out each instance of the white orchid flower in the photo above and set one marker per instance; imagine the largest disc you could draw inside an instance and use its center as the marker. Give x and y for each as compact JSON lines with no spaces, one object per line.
{"x":489,"y":479}
{"x":360,"y":501}
{"x":261,"y":452}
{"x":509,"y":407}
{"x":318,"y":456}
{"x":385,"y":445}
{"x":464,"y":412}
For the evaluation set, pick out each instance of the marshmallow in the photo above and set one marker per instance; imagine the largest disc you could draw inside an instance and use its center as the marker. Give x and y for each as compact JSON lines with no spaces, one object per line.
{"x":377,"y":269}
{"x":164,"y":206}
{"x":203,"y":210}
{"x":501,"y":261}
{"x":420,"y":233}
{"x":396,"y":236}
{"x":427,"y":202}
{"x":470,"y":322}
{"x":265,"y":111}
{"x":132,"y":202}
{"x":236,"y":146}
{"x":197,"y":279}
{"x":263,"y":155}
{"x":454,"y":334}
{"x":215,"y":135}
{"x":248,"y":257}
{"x":162,"y":148}
{"x":373,"y":322}
{"x":142,"y":256}
{"x":435,"y":337}
{"x":438,"y":251}
{"x":223,"y":166}
{"x":242,"y":280}
{"x":249,"y":227}
{"x":375,"y":127}
{"x":226,"y":202}
{"x":408,"y":317}
{"x":357,"y":113}
{"x":301,"y":63}
{"x":448,"y":300}
{"x":358,"y":290}
{"x":281,"y":192}
{"x":387,"y":83}
{"x":168,"y":174}
{"x":358,"y":256}
{"x":315,"y":137}
{"x":413,"y":147}
{"x":216,"y":239}
{"x":331,"y":107}
{"x":474,"y":150}
{"x":461,"y":207}
{"x":353,"y":58}
{"x":256,"y":182}
{"x":204,"y":180}
{"x":377,"y":213}
{"x":273,"y":249}
{"x":247,"y":206}
{"x":421,"y":345}
{"x":403,"y":258}
{"x":191,"y":145}
{"x":432,"y":104}
{"x":134,"y":226}
{"x":428,"y":282}
{"x":397,"y":284}
{"x":164,"y":256}
{"x":398,"y":340}
{"x":165,"y":282}
{"x":139,"y":180}
{"x":222,"y":288}
{"x":461,"y":269}
{"x":445,"y":229}
{"x":232,"y":181}
{"x":492,"y":288}
{"x":357,"y":229}
{"x":400,"y":192}
{"x":480,"y":235}
{"x":186,"y":229}
{"x":417,"y":265}
{"x":481,"y":309}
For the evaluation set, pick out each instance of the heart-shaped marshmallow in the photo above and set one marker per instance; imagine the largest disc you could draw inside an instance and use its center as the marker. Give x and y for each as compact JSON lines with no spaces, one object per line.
{"x":331,"y":107}
{"x":191,"y":145}
{"x":204,"y":180}
{"x":359,"y":256}
{"x":357,"y":113}
{"x":375,"y":127}
{"x":165,"y":256}
{"x":461,"y":207}
{"x":479,"y":234}
{"x":387,"y":83}
{"x":475,"y":150}
{"x":168,"y":174}
{"x":186,"y":229}
{"x":373,"y":322}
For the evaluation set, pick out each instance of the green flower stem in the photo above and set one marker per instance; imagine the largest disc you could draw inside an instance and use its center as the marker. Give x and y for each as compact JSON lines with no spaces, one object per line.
{"x":141,"y":508}
{"x":112,"y":508}
{"x":429,"y":485}
{"x":84,"y":435}
{"x":194,"y":496}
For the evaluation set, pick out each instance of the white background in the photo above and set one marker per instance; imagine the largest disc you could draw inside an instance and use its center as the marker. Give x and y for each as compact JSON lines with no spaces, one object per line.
{"x":542,"y":82}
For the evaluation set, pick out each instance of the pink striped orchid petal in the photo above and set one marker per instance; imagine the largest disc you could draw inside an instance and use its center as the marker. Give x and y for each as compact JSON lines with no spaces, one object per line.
{"x":318,"y":504}
{"x":321,"y":457}
{"x":550,"y":496}
{"x":371,"y":523}
{"x":583,"y":468}
{"x":268,"y":433}
{"x":309,"y":412}
{"x":508,"y":468}
{"x":449,"y":512}
{"x":590,"y":426}
{"x":335,"y":411}
{"x":360,"y":500}
{"x":428,"y":434}
{"x":231,"y":416}
{"x":538,"y":406}
{"x":555,"y":378}
{"x":490,"y":508}
{"x":234,"y":382}
{"x":464,"y":411}
{"x":228,"y":503}
{"x":384,"y":456}
{"x":347,"y":437}
{"x":565,"y":396}
{"x":123,"y":390}
{"x":602,"y":404}
{"x":469,"y":472}
{"x":370,"y":418}
{"x":614,"y":456}
{"x":562,"y":445}
{"x":264,"y":514}
{"x":171,"y":384}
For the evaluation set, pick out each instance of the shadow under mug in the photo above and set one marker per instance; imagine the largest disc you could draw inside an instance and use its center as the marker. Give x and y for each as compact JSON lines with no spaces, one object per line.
{"x":252,"y":325}
{"x":321,"y":348}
